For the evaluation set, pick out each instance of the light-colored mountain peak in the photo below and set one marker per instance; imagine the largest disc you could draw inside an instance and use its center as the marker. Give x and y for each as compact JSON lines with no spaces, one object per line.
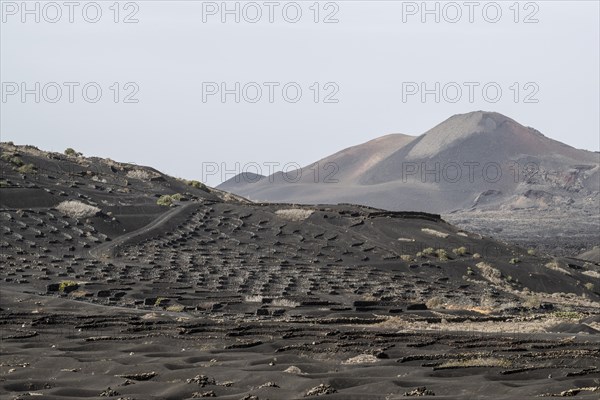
{"x":457,"y":128}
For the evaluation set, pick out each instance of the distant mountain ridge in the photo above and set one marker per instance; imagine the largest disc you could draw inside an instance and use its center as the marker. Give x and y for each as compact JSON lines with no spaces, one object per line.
{"x":456,"y":165}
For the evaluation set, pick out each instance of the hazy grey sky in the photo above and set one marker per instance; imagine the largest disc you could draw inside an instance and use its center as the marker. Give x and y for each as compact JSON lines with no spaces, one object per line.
{"x":372,"y":60}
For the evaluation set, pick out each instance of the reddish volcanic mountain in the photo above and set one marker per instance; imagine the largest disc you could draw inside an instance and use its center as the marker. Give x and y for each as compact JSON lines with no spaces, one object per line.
{"x":480,"y":161}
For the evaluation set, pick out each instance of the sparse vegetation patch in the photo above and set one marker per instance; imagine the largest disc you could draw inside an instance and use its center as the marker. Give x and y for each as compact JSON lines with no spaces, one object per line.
{"x":168,"y":200}
{"x":26,"y":169}
{"x":490,"y":273}
{"x":532,"y":302}
{"x":67,"y":286}
{"x":14,"y":160}
{"x":197,"y":185}
{"x":71,"y":152}
{"x":555,"y":266}
{"x":593,"y":274}
{"x":567,"y":315}
{"x":140,"y":174}
{"x":160,"y":301}
{"x":165,"y":200}
{"x":442,"y":254}
{"x":254,"y":299}
{"x":460,"y":251}
{"x":428,"y":251}
{"x":476,"y":362}
{"x":294,"y":214}
{"x":77,"y":209}
{"x":361,"y":359}
{"x":435,"y":233}
{"x":285,"y":303}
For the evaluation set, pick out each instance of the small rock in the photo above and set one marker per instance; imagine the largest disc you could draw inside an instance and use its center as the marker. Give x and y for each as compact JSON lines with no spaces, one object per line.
{"x":293,"y":370}
{"x":320,"y":390}
{"x":269,"y":384}
{"x":420,"y":391}
{"x":109,"y":393}
{"x":202,"y":380}
{"x":197,"y":395}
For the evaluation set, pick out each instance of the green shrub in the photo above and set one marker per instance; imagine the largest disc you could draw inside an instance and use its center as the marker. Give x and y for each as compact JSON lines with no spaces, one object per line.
{"x":176,"y":197}
{"x":470,"y":272}
{"x":164,"y":200}
{"x":514,"y":261}
{"x":71,"y":152}
{"x":590,"y":286}
{"x":442,"y":254}
{"x":67,"y":286}
{"x":16,"y":161}
{"x":531,"y":252}
{"x":198,"y":185}
{"x":428,"y":251}
{"x":567,"y":315}
{"x":26,"y":169}
{"x":461,"y":251}
{"x":532,"y":302}
{"x":160,"y":301}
